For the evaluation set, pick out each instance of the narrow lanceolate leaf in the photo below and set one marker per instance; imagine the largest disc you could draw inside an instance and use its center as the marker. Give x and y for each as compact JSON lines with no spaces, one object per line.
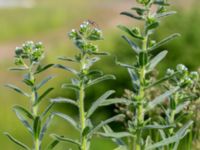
{"x":112,"y":101}
{"x":103,"y":123}
{"x":47,"y":110}
{"x":37,"y":127}
{"x":181,"y":133}
{"x":43,"y":82}
{"x":70,"y":86}
{"x":43,"y":68}
{"x":22,"y":118}
{"x":45,"y":127}
{"x":66,"y":68}
{"x":118,"y":141}
{"x":124,"y":65}
{"x":18,"y":68}
{"x":43,"y":96}
{"x":134,"y":46}
{"x":152,"y":26}
{"x":135,"y":80}
{"x":18,"y":90}
{"x":64,"y":100}
{"x":155,"y":61}
{"x":61,"y":138}
{"x":100,"y":79}
{"x":131,"y":15}
{"x":98,"y":102}
{"x":68,"y":119}
{"x":52,"y":145}
{"x":24,"y":111}
{"x":158,"y":126}
{"x":17,"y":142}
{"x":68,"y":59}
{"x":161,"y":98}
{"x":128,"y":31}
{"x":117,"y":135}
{"x":164,"y":41}
{"x":165,"y":14}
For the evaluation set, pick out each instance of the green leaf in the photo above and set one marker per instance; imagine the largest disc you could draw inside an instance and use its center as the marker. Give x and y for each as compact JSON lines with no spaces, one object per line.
{"x":128,"y":31}
{"x":182,"y":106}
{"x":64,"y":100}
{"x":143,"y":58}
{"x":24,"y":111}
{"x":18,"y":90}
{"x":37,"y":127}
{"x":177,"y":137}
{"x":66,"y":68}
{"x":70,"y":86}
{"x":47,"y":109}
{"x":18,"y":68}
{"x":124,"y":65}
{"x":45,"y":127}
{"x":117,"y":135}
{"x":140,"y":11}
{"x":165,"y":14}
{"x":157,"y":126}
{"x":118,"y":141}
{"x":21,"y":116}
{"x":68,"y":119}
{"x":43,"y":68}
{"x":152,"y":26}
{"x":16,"y":141}
{"x":52,"y":145}
{"x":135,"y":80}
{"x":61,"y":138}
{"x":100,"y":53}
{"x":161,"y":98}
{"x":100,"y":79}
{"x":43,"y":82}
{"x":68,"y":59}
{"x":28,"y":82}
{"x":116,"y":101}
{"x":134,"y":46}
{"x":131,"y":15}
{"x":155,"y":61}
{"x":98,"y":102}
{"x":42,"y":96}
{"x":103,"y":123}
{"x":164,"y":41}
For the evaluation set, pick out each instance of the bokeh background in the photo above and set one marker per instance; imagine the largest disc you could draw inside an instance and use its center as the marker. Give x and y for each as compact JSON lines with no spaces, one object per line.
{"x":50,"y":20}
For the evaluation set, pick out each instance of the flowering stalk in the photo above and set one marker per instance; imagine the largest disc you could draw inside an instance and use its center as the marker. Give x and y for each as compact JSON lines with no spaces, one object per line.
{"x":84,"y":78}
{"x":28,"y":59}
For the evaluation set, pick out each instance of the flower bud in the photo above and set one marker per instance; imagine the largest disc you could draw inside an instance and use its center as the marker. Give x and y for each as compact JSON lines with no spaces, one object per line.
{"x":194,"y":75}
{"x":181,"y":68}
{"x":169,"y":72}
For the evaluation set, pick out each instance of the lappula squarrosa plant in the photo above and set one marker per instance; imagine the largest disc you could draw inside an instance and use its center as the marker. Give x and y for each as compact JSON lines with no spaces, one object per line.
{"x":177,"y":110}
{"x":28,"y":59}
{"x":138,"y":107}
{"x":85,"y":77}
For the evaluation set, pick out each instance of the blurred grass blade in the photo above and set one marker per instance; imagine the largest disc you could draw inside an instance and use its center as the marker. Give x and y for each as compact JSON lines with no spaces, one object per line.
{"x":17,"y":142}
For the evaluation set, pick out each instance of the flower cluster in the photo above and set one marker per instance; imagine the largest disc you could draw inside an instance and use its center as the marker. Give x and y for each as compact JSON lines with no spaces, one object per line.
{"x":183,"y":77}
{"x":82,"y":37}
{"x":30,"y":51}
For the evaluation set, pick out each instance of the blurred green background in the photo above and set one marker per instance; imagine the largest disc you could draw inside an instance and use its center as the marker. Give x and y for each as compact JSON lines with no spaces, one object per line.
{"x":49,"y":21}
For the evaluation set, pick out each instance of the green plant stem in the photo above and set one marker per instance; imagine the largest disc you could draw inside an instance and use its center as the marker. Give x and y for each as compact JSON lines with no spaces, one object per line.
{"x":34,"y":108}
{"x":82,"y":117}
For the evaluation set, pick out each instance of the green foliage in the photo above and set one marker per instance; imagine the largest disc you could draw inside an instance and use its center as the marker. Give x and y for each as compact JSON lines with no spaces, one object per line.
{"x":28,"y":60}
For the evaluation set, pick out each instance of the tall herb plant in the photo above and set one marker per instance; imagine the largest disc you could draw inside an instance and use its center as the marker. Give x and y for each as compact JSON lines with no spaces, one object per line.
{"x":28,"y":59}
{"x":138,"y":108}
{"x":84,"y":78}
